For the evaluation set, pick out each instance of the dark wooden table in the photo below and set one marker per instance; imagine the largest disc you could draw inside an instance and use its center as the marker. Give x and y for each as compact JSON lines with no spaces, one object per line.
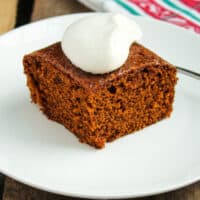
{"x":12,"y":15}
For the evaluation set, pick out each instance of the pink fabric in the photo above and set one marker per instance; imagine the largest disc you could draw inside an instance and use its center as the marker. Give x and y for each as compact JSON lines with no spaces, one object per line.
{"x":156,"y":10}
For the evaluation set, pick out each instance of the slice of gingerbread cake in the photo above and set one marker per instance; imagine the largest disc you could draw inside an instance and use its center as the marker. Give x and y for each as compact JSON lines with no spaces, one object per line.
{"x":99,"y":108}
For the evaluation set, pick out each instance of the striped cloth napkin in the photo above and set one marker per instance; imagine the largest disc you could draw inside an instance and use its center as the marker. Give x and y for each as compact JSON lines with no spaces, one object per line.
{"x":184,"y":13}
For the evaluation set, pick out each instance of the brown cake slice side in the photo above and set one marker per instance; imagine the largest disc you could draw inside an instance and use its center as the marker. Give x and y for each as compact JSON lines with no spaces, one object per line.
{"x":101,"y":108}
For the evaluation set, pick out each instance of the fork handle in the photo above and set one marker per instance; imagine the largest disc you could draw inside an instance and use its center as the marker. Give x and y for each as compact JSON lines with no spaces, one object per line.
{"x":188,"y":73}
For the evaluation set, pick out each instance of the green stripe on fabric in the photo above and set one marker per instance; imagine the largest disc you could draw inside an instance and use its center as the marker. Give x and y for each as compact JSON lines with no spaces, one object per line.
{"x":186,"y":12}
{"x":127,"y":7}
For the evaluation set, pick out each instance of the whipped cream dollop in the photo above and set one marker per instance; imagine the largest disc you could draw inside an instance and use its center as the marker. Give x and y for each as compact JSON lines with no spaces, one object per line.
{"x":100,"y":43}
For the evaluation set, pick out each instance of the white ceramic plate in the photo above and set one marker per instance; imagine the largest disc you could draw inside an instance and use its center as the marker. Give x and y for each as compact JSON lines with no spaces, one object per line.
{"x":43,"y":154}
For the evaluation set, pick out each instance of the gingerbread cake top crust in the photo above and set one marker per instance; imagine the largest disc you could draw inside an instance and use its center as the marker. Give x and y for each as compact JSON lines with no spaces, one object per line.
{"x":138,"y":59}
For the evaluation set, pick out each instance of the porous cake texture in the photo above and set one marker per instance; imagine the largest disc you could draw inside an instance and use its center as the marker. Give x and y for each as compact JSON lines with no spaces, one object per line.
{"x":101,"y":108}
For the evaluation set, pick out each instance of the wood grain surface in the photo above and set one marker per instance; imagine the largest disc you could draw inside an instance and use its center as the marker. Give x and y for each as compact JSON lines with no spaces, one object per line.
{"x":14,"y":190}
{"x":44,"y":8}
{"x":8,"y":10}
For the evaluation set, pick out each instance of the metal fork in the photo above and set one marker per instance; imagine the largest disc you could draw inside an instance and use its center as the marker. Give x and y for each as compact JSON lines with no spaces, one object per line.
{"x":188,"y":72}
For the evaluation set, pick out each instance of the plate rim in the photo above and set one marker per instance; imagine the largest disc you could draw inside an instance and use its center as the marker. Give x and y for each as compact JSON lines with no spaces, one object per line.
{"x":100,"y":197}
